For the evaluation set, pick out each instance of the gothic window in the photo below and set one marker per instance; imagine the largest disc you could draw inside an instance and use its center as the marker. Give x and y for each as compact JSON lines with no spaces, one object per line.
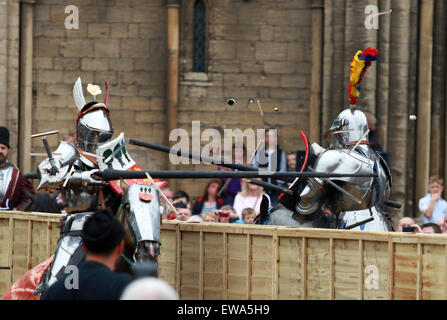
{"x":199,"y":37}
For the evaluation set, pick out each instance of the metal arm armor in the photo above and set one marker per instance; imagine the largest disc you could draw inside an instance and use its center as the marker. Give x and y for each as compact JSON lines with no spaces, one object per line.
{"x":339,"y":161}
{"x":64,"y":156}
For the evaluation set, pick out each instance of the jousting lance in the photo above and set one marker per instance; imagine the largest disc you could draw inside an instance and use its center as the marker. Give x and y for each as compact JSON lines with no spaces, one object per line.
{"x":110,"y":174}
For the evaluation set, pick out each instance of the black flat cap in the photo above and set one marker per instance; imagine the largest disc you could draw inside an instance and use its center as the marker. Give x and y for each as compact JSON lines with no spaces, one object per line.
{"x":4,"y":136}
{"x":102,"y":232}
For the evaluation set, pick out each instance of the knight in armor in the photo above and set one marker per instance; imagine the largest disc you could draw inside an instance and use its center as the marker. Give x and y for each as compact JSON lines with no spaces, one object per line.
{"x":76,"y":172}
{"x":344,"y":202}
{"x":357,"y":203}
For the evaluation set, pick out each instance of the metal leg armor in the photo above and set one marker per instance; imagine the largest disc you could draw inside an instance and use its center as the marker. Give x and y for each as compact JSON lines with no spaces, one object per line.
{"x":347,"y":219}
{"x":68,"y":252}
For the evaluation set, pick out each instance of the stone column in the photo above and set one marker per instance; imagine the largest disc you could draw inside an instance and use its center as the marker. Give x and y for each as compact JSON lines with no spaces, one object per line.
{"x":26,"y":84}
{"x":3,"y":62}
{"x":315,"y":89}
{"x":424,"y":98}
{"x":172,"y":73}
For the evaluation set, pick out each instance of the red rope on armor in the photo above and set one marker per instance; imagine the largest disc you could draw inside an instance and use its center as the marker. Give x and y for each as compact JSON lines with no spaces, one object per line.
{"x":354,"y":142}
{"x":92,"y":159}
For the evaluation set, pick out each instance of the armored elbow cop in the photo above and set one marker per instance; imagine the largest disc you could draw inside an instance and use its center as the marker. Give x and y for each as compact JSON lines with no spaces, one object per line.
{"x":309,"y":197}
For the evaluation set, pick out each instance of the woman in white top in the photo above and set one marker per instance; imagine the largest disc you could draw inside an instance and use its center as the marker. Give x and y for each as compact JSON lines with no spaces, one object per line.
{"x":249,"y":197}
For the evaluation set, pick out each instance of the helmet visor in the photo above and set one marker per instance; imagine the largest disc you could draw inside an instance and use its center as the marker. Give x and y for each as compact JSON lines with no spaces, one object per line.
{"x":94,"y":128}
{"x":338,"y":124}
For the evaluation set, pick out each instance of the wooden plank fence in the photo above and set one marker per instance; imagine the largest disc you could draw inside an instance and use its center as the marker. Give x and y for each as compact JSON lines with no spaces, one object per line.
{"x":232,"y":261}
{"x":225,"y":261}
{"x":26,"y":239}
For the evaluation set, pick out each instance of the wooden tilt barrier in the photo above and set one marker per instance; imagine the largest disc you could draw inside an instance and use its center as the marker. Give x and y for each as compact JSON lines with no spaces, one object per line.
{"x":232,"y":261}
{"x":26,"y":239}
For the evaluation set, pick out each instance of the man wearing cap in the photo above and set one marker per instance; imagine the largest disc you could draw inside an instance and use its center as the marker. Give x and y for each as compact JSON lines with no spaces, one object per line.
{"x":102,"y":240}
{"x":16,"y":191}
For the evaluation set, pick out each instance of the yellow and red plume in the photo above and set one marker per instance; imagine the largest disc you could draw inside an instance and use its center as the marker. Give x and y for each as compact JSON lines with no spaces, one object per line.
{"x":361,"y":62}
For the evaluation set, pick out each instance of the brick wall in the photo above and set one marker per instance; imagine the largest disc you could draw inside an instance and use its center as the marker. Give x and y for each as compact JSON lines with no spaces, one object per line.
{"x":9,"y":62}
{"x":123,"y":42}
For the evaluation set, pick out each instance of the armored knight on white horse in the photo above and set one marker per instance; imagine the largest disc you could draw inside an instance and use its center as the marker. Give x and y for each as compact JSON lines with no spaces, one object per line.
{"x":76,"y":172}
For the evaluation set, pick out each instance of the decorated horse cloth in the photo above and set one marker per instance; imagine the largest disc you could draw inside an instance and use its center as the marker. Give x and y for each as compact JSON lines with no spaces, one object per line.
{"x":23,"y":288}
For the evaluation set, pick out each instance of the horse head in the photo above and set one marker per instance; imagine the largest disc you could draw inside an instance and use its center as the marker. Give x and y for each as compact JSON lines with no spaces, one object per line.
{"x":140,"y":216}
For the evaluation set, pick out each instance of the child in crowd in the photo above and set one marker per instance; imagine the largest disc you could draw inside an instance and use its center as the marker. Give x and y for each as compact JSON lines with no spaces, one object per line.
{"x":228,"y":208}
{"x":209,"y":217}
{"x":224,"y":216}
{"x":248,"y":215}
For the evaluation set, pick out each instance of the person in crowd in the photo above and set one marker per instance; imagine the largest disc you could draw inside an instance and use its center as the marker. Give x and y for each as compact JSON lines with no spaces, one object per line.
{"x":248,"y":215}
{"x":45,"y":202}
{"x":181,"y":196}
{"x":168,"y":193}
{"x":291,"y":162}
{"x":431,"y":228}
{"x":230,"y":187}
{"x":224,"y":216}
{"x":165,"y":209}
{"x":249,"y":197}
{"x":149,"y":288}
{"x":102,"y":240}
{"x":433,"y":207}
{"x":228,"y":208}
{"x":273,"y":160}
{"x":178,"y":196}
{"x":210,"y":217}
{"x":16,"y":191}
{"x":209,"y":201}
{"x":442,"y":223}
{"x":59,"y":200}
{"x":372,"y":122}
{"x":409,"y":224}
{"x":184,"y":212}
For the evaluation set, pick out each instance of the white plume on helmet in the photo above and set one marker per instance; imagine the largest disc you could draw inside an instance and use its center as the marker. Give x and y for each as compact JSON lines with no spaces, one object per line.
{"x":93,"y":126}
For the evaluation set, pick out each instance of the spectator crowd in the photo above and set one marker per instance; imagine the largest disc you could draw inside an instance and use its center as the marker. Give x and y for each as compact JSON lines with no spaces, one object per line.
{"x":233,"y":200}
{"x":433,"y":209}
